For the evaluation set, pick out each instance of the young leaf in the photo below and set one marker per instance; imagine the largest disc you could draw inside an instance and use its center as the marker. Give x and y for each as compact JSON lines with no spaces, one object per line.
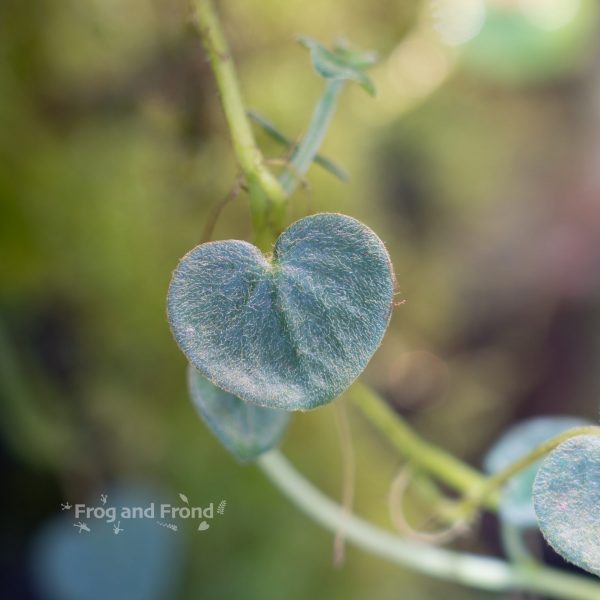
{"x":517,"y":506}
{"x":566,"y":496}
{"x":361,"y":59}
{"x":291,"y":331}
{"x":246,"y":430}
{"x":340,"y":63}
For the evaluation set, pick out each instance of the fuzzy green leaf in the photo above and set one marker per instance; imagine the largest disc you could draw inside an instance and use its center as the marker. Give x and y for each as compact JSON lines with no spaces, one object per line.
{"x":566,"y":495}
{"x":292,"y":330}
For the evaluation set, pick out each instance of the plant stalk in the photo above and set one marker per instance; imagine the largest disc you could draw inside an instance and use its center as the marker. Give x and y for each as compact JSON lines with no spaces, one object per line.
{"x":422,"y":454}
{"x":477,"y":489}
{"x":307,"y":150}
{"x":466,"y":569}
{"x":267,"y":197}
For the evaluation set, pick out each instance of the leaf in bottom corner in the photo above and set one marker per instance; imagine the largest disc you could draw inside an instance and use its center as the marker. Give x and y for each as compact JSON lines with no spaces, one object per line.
{"x":566,"y":496}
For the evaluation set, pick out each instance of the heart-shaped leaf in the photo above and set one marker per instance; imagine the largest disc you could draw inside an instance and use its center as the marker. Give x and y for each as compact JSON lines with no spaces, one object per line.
{"x":566,"y":495}
{"x":340,"y":63}
{"x":246,"y":430}
{"x":516,"y":506}
{"x":290,"y":331}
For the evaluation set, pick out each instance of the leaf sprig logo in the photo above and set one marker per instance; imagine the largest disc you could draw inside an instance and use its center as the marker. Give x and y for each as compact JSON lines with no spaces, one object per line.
{"x":163,"y":514}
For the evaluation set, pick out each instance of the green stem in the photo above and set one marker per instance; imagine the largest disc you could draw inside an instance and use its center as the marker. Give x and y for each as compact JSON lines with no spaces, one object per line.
{"x":306,"y":152}
{"x":271,"y":129}
{"x":267,"y":197}
{"x":514,"y":544}
{"x":477,"y":489}
{"x":466,"y":569}
{"x":424,"y":455}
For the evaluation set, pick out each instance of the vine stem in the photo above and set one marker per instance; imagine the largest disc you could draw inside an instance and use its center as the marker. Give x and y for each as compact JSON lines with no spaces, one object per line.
{"x":267,"y":197}
{"x":477,"y":489}
{"x":515,"y":545}
{"x":348,"y":479}
{"x":424,"y":455}
{"x":463,"y":568}
{"x":306,"y":152}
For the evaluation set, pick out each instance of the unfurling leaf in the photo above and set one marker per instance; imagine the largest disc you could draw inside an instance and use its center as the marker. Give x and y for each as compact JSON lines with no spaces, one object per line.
{"x":341,"y":63}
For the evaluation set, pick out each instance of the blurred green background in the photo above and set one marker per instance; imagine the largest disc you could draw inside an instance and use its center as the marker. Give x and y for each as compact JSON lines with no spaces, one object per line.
{"x":477,"y":163}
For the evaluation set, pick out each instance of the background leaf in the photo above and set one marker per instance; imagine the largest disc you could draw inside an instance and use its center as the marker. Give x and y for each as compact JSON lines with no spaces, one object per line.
{"x":566,"y":495}
{"x":244,"y":429}
{"x":143,"y":562}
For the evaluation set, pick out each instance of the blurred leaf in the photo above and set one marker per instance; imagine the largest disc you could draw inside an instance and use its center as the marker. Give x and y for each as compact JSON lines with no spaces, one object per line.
{"x":516,"y":505}
{"x":567,"y":496}
{"x":512,"y":48}
{"x":340,"y":63}
{"x":270,"y":128}
{"x":184,"y":498}
{"x":361,"y":59}
{"x":141,"y":563}
{"x":246,"y":430}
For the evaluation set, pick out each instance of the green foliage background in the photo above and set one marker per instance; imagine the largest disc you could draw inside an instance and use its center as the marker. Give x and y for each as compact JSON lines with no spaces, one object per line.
{"x":113,"y":150}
